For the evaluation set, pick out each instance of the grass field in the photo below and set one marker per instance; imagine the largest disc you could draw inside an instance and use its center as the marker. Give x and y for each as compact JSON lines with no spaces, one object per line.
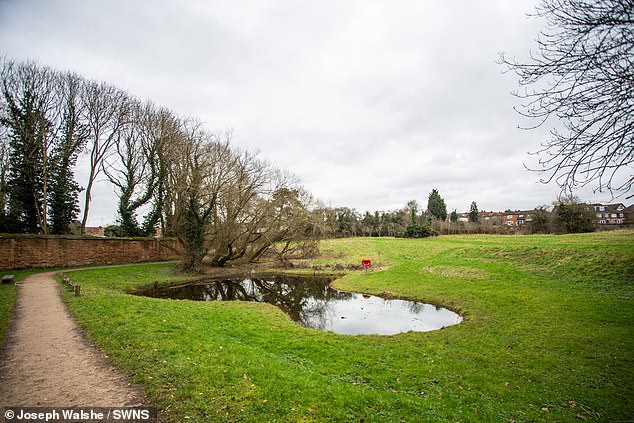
{"x":548,"y":335}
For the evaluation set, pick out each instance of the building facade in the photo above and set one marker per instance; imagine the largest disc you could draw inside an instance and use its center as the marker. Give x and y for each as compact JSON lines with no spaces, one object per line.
{"x":611,"y":214}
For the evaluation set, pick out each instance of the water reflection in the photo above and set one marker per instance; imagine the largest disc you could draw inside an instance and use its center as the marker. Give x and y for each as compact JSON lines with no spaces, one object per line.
{"x":313,"y":303}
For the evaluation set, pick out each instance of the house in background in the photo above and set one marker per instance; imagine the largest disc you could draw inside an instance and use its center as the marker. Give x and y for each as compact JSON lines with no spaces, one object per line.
{"x":606,"y":214}
{"x":510,"y":218}
{"x":492,"y":218}
{"x":612,"y":214}
{"x":507,"y":218}
{"x":518,"y":217}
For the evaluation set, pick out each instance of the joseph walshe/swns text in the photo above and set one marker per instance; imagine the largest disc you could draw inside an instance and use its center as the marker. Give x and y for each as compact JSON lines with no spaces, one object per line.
{"x":53,"y":414}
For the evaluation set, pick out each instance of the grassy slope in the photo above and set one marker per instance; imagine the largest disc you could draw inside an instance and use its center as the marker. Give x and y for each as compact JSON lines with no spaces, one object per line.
{"x":548,"y":335}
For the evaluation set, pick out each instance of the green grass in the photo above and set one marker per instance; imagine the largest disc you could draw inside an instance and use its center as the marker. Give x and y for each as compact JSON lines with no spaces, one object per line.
{"x":548,"y":335}
{"x":7,"y":300}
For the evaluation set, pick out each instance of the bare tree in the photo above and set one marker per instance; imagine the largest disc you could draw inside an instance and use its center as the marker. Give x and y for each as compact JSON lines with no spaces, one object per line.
{"x":196,"y":172}
{"x":163,"y":129}
{"x":262,"y":208}
{"x":133,"y":167}
{"x":223,"y":204}
{"x":107,"y":110}
{"x":239,"y":213}
{"x":583,"y":74}
{"x":295,"y":224}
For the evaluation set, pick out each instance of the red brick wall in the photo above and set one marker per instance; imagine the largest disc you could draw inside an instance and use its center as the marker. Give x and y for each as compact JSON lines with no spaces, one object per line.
{"x":18,"y":252}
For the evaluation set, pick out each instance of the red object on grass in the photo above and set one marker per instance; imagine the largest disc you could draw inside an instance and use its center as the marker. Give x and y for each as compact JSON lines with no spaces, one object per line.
{"x":366,"y":262}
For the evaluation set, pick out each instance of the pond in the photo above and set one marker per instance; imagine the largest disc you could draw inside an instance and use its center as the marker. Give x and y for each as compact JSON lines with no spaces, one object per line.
{"x":313,"y":303}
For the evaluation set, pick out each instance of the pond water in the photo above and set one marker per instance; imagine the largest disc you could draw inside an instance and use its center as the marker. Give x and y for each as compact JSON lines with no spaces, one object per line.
{"x":313,"y":303}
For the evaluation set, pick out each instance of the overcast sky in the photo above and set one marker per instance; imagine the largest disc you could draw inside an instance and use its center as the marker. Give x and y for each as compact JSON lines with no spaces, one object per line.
{"x":370,"y":103}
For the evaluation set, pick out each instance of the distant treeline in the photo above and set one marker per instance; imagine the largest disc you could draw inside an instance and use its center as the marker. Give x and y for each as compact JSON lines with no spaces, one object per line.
{"x":567,"y":215}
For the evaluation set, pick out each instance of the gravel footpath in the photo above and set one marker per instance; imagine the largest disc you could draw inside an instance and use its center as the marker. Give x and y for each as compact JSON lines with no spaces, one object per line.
{"x":48,"y":362}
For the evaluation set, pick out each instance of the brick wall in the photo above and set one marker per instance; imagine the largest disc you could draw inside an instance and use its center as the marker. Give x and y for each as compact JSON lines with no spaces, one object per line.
{"x":24,"y":251}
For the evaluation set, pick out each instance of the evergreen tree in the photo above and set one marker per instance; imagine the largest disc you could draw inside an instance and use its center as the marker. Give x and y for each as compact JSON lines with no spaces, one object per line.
{"x":64,"y":191}
{"x":40,"y":122}
{"x":436,"y":205}
{"x":63,"y":196}
{"x":473,"y":213}
{"x":25,"y":180}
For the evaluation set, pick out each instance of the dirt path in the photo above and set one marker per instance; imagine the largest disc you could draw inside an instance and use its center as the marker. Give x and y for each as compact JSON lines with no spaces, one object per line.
{"x":47,"y":362}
